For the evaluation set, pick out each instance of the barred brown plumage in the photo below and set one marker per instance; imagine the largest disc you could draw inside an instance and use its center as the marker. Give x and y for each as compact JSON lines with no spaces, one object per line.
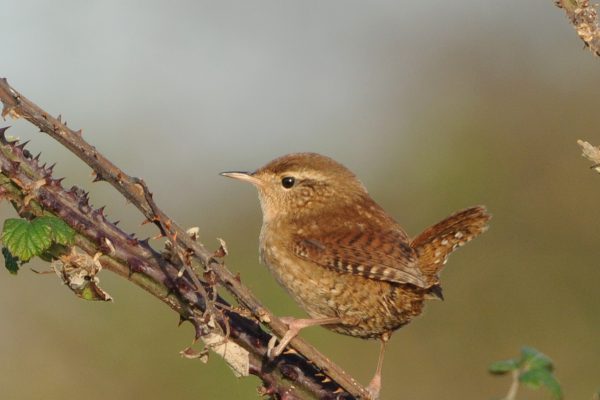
{"x":341,"y":256}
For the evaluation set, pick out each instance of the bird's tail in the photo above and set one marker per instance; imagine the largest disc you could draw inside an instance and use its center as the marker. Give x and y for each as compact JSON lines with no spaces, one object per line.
{"x":435,"y":243}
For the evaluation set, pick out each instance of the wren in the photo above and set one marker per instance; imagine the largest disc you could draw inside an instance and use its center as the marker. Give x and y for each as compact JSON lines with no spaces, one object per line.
{"x":342,"y":258}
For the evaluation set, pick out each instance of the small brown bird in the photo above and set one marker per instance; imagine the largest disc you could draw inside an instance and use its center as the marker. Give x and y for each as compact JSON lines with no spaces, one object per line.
{"x":341,"y":256}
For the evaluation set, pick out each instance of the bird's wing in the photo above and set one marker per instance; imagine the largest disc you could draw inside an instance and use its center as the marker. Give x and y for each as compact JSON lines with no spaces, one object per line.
{"x":384,"y":256}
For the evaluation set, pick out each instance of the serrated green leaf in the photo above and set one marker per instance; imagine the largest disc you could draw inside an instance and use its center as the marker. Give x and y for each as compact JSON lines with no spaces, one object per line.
{"x":533,"y":359}
{"x":61,"y":233}
{"x":502,"y":367}
{"x":10,"y":262}
{"x":25,"y":239}
{"x":537,"y":378}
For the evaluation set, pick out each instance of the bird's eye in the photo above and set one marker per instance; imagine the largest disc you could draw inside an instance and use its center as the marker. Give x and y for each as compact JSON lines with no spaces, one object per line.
{"x":288,"y":181}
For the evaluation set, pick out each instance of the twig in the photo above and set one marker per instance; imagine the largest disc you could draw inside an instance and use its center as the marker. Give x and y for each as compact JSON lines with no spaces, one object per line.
{"x":16,"y":105}
{"x":514,"y":386}
{"x":584,"y":18}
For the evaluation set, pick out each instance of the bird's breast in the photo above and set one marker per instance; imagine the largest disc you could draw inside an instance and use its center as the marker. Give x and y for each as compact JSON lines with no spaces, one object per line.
{"x":367,"y":307}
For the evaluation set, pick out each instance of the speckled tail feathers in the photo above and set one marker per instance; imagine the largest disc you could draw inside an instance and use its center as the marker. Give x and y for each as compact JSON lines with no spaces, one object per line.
{"x":435,"y":243}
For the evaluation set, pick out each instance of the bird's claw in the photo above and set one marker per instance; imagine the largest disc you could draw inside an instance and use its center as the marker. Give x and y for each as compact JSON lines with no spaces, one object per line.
{"x":271,"y":348}
{"x":274,"y":351}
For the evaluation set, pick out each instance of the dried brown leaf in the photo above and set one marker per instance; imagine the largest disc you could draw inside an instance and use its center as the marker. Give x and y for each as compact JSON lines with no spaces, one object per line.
{"x":236,"y":356}
{"x":590,"y":152}
{"x":222,"y":250}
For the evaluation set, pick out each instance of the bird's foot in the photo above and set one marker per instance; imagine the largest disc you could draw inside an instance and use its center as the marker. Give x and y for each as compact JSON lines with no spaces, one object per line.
{"x":295,"y":325}
{"x":374,"y":387}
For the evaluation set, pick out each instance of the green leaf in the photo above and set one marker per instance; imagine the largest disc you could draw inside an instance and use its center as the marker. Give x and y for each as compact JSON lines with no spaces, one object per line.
{"x":61,"y":233}
{"x":554,"y":387}
{"x":502,"y":367}
{"x":537,"y":378}
{"x":534,"y":378}
{"x":25,"y":239}
{"x":532,"y":359}
{"x":10,"y":262}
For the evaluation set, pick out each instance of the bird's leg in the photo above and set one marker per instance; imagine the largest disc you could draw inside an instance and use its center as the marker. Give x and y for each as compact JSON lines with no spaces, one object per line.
{"x":375,"y":384}
{"x":294,"y":326}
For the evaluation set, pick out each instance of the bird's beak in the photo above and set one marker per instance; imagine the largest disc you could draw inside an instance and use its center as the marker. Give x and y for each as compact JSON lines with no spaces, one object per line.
{"x":243,"y":176}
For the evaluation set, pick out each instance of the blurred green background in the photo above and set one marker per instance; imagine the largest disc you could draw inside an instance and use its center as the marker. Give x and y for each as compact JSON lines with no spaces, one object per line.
{"x":436,"y":106}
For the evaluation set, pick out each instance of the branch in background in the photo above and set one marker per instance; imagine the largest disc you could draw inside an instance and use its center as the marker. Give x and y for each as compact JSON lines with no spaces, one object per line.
{"x":34,"y":192}
{"x":584,"y":18}
{"x":590,"y":152}
{"x":137,"y":193}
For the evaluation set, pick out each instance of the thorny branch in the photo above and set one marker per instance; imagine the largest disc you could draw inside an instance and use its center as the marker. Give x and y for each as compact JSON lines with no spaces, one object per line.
{"x":584,"y":18}
{"x":185,"y":248}
{"x":34,"y":192}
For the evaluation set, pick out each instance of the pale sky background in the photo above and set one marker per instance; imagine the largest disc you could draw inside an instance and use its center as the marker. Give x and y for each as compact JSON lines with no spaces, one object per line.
{"x":436,"y":105}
